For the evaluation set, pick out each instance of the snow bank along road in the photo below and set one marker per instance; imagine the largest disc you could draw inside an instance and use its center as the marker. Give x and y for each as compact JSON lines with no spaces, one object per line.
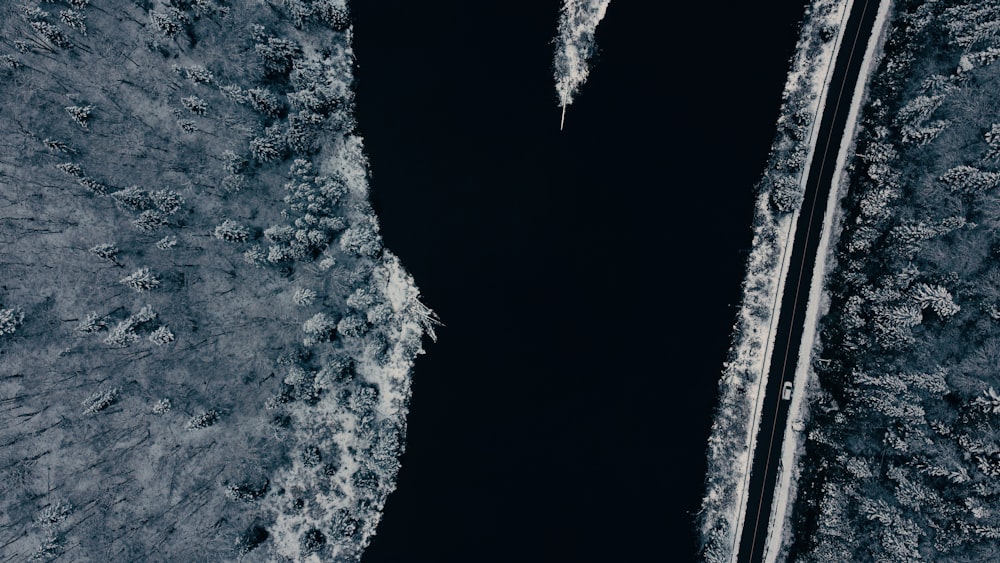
{"x":792,"y":316}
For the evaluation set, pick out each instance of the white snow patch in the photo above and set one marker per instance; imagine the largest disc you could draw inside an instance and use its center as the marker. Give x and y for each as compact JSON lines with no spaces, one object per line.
{"x":575,"y":45}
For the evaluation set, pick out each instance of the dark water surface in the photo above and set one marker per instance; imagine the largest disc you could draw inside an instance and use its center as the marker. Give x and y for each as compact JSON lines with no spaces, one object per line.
{"x":586,"y":277}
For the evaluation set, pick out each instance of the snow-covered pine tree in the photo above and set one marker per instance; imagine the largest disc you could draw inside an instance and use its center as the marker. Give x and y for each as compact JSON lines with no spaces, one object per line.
{"x":92,"y":323}
{"x":141,"y":280}
{"x":264,"y":101}
{"x":203,"y":420}
{"x":231,"y":231}
{"x":303,"y":297}
{"x":319,"y":328}
{"x":132,"y":198}
{"x":161,"y":336}
{"x":269,"y":146}
{"x":75,"y":19}
{"x":969,"y":180}
{"x":80,"y":114}
{"x":169,"y":22}
{"x":106,"y":251}
{"x":71,"y":169}
{"x":195,"y":105}
{"x":100,"y":400}
{"x":149,"y":220}
{"x":937,"y":298}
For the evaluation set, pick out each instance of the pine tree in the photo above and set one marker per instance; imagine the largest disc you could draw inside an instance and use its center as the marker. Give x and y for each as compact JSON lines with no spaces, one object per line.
{"x":93,"y":185}
{"x":52,"y":33}
{"x":918,"y":110}
{"x":141,"y":280}
{"x":195,"y":105}
{"x":278,"y":54}
{"x":969,"y":180}
{"x":149,"y":221}
{"x":362,"y":239}
{"x":786,"y":193}
{"x":203,"y":420}
{"x":319,"y":328}
{"x":57,"y":146}
{"x":269,"y":146}
{"x":80,"y":114}
{"x":75,"y":19}
{"x":123,"y":334}
{"x":161,"y":336}
{"x":132,"y":198}
{"x":166,"y":242}
{"x":106,"y":251}
{"x":234,"y":93}
{"x":234,"y":183}
{"x":198,"y":74}
{"x":353,"y":325}
{"x":167,"y":201}
{"x":255,"y":256}
{"x":145,"y":314}
{"x":263,"y":101}
{"x":937,"y":298}
{"x":92,"y":323}
{"x":100,"y":400}
{"x":231,"y":231}
{"x":169,"y":23}
{"x":70,"y":169}
{"x":303,"y":132}
{"x":303,"y":297}
{"x":233,"y":163}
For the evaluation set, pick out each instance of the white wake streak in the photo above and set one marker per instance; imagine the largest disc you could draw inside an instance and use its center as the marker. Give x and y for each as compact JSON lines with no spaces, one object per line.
{"x":575,"y":45}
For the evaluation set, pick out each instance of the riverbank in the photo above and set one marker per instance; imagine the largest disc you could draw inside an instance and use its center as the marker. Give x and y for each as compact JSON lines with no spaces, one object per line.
{"x":735,"y":428}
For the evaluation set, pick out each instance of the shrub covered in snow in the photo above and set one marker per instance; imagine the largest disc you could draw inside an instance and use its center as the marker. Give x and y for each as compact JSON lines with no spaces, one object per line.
{"x":10,"y":319}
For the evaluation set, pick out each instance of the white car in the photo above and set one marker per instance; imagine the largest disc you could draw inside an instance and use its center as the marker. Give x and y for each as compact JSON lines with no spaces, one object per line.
{"x":786,"y":391}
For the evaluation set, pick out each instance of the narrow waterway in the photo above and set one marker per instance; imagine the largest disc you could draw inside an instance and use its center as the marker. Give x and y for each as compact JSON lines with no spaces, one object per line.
{"x":586,"y":277}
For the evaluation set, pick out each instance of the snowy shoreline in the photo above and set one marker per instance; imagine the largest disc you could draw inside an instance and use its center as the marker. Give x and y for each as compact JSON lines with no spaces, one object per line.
{"x":745,"y":371}
{"x":778,"y":542}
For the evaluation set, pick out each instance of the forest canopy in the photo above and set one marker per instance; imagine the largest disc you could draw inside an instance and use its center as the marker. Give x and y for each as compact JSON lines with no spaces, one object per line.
{"x":204,"y":347}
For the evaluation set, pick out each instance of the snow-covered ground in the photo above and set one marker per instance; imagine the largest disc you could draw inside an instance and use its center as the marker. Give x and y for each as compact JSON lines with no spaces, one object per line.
{"x":411,"y":320}
{"x":745,"y":374}
{"x":778,"y":540}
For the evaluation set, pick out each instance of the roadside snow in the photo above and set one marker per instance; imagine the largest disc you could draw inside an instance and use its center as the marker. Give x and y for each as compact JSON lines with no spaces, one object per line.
{"x":777,"y":540}
{"x":819,"y":83}
{"x":745,"y":374}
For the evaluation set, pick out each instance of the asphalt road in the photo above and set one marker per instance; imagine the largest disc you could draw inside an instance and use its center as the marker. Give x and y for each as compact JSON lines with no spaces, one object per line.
{"x":792,"y":314}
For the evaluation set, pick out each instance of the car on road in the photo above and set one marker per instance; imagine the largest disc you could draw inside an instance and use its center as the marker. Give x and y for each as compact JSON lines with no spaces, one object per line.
{"x":786,"y":391}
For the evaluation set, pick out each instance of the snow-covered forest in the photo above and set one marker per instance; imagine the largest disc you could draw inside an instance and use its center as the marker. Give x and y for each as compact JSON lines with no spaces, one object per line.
{"x":901,"y":459}
{"x":205,"y":350}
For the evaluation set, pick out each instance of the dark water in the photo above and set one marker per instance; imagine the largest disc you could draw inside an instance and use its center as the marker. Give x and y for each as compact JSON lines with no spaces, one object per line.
{"x":586,"y":277}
